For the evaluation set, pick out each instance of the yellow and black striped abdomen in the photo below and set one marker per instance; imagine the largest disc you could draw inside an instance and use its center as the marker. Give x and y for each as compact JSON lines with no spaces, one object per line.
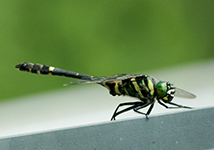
{"x":35,"y":68}
{"x":48,"y":70}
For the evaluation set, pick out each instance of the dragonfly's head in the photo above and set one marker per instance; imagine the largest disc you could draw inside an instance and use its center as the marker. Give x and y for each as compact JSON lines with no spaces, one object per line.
{"x":165,"y":91}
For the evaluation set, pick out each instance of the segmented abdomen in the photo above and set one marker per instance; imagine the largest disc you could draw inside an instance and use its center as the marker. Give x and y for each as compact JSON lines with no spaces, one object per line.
{"x":35,"y":68}
{"x":43,"y":69}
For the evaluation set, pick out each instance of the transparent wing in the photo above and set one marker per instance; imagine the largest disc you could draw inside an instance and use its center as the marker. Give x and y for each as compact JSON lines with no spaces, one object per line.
{"x":121,"y":77}
{"x":82,"y":82}
{"x":183,"y":93}
{"x":103,"y":79}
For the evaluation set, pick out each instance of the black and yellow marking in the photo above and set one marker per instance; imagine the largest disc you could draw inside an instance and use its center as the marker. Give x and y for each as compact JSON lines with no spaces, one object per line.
{"x":134,"y":87}
{"x":49,"y":70}
{"x":143,"y":87}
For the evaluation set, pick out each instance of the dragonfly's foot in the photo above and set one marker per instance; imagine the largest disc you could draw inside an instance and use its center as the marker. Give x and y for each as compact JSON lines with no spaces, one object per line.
{"x":113,"y":119}
{"x":147,"y":116}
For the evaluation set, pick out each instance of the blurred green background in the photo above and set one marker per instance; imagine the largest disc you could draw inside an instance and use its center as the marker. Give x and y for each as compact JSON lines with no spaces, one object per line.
{"x":99,"y":38}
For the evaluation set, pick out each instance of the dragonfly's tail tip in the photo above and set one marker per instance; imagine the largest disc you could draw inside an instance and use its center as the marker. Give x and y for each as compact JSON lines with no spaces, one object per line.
{"x":18,"y":66}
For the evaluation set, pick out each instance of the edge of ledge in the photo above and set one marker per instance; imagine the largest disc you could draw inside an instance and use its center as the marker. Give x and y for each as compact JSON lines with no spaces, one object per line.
{"x":187,"y":130}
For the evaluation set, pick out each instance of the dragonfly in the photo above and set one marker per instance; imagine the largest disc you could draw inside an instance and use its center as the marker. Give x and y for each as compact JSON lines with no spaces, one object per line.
{"x":146,"y":89}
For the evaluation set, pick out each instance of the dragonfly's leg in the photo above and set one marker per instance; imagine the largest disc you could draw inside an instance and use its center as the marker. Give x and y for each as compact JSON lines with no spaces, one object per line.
{"x":133,"y":105}
{"x":178,"y":106}
{"x":143,"y":106}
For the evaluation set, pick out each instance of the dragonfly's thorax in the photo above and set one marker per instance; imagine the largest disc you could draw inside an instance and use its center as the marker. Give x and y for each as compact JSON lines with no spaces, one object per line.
{"x":140,"y":87}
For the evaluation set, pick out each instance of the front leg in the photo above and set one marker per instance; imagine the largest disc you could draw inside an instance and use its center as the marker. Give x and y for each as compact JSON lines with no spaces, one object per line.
{"x":178,"y":106}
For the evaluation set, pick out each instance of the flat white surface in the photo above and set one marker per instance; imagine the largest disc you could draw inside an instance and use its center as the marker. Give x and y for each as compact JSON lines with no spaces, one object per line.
{"x":92,"y":104}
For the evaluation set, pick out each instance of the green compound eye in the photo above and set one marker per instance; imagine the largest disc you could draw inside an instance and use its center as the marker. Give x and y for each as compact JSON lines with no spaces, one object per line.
{"x":161,"y":89}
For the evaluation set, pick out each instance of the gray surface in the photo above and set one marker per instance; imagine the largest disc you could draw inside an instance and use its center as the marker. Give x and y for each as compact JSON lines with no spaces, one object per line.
{"x":187,"y":130}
